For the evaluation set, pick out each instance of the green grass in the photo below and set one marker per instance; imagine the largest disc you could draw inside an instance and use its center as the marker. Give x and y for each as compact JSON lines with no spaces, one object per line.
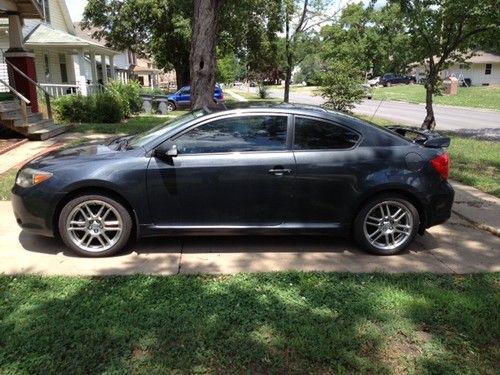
{"x":473,"y":162}
{"x":476,"y":163}
{"x":134,"y":125}
{"x":7,"y":180}
{"x":479,"y":97}
{"x":280,"y":323}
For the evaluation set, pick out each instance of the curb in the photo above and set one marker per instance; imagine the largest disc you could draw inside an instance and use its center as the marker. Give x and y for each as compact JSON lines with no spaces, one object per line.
{"x":13,"y":146}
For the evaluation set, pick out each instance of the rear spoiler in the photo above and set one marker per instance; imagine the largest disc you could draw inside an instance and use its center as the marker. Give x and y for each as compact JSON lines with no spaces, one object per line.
{"x":426,"y":138}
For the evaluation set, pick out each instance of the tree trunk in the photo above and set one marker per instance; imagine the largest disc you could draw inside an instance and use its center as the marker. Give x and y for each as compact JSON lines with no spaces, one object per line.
{"x":182,"y":74}
{"x":203,"y":53}
{"x":429,"y":121}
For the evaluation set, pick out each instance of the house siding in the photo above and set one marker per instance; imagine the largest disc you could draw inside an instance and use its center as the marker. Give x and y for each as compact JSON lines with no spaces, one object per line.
{"x":476,"y":74}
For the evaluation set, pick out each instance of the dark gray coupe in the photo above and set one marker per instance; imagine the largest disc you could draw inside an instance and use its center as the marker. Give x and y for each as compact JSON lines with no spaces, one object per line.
{"x":280,"y":169}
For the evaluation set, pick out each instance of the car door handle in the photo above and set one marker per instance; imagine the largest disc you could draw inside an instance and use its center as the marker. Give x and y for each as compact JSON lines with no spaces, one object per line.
{"x":280,"y":171}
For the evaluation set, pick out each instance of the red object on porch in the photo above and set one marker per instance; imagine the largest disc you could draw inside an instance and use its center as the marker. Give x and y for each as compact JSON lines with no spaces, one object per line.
{"x":25,"y":62}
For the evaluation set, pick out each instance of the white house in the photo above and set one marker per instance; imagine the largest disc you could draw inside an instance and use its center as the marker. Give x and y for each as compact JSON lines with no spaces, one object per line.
{"x":64,"y":62}
{"x":482,"y":69}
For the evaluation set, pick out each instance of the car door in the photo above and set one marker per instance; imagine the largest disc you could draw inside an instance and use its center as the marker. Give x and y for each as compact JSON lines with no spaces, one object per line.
{"x":184,"y":99}
{"x":231,"y":171}
{"x":326,"y":172}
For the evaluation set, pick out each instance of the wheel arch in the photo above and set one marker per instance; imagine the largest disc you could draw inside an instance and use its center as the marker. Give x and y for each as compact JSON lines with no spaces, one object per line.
{"x":412,"y":198}
{"x":100,"y":190}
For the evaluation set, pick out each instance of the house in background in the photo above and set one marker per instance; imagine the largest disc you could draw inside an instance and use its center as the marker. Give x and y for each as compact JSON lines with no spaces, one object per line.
{"x":482,"y":69}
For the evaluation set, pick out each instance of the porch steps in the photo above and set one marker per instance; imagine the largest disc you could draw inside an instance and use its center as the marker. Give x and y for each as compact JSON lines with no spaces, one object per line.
{"x":37,"y":128}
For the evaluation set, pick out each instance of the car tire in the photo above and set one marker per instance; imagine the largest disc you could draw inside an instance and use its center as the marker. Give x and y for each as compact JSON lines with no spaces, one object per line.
{"x":95,"y":225}
{"x":171,"y":106}
{"x":386,"y":225}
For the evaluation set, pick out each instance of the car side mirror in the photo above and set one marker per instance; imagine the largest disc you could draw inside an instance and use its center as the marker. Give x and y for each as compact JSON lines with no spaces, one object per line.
{"x":166,"y":151}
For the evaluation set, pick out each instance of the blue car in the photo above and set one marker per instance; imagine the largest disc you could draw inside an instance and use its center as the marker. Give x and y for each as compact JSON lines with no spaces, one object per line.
{"x":182,"y":98}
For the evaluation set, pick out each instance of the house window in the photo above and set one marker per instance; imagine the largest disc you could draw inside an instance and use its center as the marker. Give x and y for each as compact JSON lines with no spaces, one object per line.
{"x":487,"y":70}
{"x":46,"y":67}
{"x":45,"y":7}
{"x":64,"y":70}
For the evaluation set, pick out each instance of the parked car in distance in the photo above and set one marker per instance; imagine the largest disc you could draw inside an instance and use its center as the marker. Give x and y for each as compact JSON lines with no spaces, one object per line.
{"x":390,"y":79}
{"x":182,"y":98}
{"x":276,"y":169}
{"x":374,"y":81}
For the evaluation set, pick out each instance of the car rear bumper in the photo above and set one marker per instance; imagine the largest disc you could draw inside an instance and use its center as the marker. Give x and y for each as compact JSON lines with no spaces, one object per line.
{"x":440,"y":204}
{"x":34,"y":210}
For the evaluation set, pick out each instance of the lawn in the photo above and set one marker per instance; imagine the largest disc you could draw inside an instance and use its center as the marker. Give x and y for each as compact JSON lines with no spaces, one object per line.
{"x":283,"y":323}
{"x":7,"y":180}
{"x":131,"y":126}
{"x":479,"y":97}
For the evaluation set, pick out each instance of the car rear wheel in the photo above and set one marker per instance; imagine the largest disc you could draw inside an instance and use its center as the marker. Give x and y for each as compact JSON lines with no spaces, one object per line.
{"x":386,"y":225}
{"x":171,"y":106}
{"x":95,"y":225}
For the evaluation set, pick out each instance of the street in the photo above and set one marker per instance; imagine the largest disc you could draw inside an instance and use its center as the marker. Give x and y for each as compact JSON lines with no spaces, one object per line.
{"x":448,"y":118}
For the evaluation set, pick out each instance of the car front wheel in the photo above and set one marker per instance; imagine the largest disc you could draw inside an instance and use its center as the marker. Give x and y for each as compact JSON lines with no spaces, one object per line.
{"x":386,"y":225}
{"x":95,"y":225}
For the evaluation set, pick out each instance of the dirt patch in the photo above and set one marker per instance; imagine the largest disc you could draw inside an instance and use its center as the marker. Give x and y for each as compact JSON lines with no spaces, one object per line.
{"x":138,"y":353}
{"x":402,"y":351}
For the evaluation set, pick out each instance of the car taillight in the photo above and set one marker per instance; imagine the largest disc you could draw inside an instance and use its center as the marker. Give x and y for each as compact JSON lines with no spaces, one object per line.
{"x":441,"y":164}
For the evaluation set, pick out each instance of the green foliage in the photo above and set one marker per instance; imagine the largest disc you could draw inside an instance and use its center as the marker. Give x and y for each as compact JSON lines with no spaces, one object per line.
{"x":271,"y":323}
{"x":230,"y":69}
{"x":98,"y":108}
{"x":263,"y":92}
{"x":342,"y":86}
{"x":128,"y":95}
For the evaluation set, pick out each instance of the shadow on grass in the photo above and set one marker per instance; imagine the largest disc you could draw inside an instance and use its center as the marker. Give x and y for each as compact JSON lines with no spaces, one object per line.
{"x":267,"y":323}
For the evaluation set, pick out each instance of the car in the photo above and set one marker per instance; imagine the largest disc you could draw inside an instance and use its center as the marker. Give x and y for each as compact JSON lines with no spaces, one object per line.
{"x":182,"y":98}
{"x":274,"y":169}
{"x":374,"y":81}
{"x":390,"y":79}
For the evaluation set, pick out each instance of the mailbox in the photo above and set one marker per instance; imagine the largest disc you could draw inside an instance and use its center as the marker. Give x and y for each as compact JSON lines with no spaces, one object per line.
{"x":451,"y":86}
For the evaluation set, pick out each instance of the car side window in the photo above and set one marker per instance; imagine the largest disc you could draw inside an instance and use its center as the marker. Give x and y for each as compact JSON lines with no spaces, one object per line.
{"x":236,"y":134}
{"x":313,"y":134}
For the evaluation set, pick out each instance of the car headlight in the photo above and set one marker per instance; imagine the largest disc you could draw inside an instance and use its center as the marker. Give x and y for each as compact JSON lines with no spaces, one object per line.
{"x":30,"y":177}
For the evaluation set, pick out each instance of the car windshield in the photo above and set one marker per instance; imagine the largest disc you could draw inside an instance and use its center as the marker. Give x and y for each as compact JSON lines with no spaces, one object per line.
{"x":142,"y":139}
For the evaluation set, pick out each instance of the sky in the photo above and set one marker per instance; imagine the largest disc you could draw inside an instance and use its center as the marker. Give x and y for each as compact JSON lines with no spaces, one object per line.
{"x":76,"y":8}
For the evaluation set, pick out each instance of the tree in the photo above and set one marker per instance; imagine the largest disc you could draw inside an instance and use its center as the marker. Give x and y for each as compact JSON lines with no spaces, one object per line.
{"x":158,"y":28}
{"x":203,"y":51}
{"x":443,"y":32}
{"x":342,"y":86}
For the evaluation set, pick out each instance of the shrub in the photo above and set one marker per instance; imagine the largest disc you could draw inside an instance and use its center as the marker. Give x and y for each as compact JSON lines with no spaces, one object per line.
{"x":263,"y":92}
{"x":73,"y":108}
{"x":128,"y":95}
{"x":108,"y":108}
{"x":99,"y":108}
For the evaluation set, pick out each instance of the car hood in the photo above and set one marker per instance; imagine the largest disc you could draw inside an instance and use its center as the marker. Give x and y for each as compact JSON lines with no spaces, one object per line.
{"x":74,"y":155}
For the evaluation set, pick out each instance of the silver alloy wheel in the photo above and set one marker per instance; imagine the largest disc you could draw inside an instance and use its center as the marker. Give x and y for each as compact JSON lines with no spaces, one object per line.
{"x":170,"y":106}
{"x":94,"y":226}
{"x":388,"y":225}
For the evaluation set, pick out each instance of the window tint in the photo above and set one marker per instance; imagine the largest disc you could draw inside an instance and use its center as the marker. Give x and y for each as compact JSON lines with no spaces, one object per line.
{"x":256,"y":133}
{"x":311,"y":134}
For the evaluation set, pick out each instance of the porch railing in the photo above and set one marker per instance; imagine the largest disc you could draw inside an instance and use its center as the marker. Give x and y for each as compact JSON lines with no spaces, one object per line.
{"x":22,"y":99}
{"x":59,"y":89}
{"x":37,"y":85}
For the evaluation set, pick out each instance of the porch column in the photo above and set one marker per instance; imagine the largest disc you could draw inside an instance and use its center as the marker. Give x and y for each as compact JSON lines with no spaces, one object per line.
{"x":104,"y":67}
{"x":82,"y":78}
{"x":112,"y":66}
{"x":93,"y":66}
{"x":23,"y":60}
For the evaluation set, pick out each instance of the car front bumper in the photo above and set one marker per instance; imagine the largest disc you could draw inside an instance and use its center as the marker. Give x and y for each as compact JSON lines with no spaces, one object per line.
{"x":34,"y":209}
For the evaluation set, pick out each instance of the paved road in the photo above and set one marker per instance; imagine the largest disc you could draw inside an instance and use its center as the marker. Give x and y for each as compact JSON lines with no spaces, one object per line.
{"x":448,"y":118}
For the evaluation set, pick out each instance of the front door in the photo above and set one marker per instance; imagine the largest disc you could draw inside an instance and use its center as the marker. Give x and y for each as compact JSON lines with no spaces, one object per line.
{"x":235,"y":171}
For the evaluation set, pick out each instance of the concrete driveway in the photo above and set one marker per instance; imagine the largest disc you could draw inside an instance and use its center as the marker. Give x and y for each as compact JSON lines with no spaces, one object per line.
{"x":456,"y":247}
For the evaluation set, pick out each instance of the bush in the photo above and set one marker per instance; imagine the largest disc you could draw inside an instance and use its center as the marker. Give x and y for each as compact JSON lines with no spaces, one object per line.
{"x":263,"y":92}
{"x":99,"y":108}
{"x":128,"y":95}
{"x":342,"y":86}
